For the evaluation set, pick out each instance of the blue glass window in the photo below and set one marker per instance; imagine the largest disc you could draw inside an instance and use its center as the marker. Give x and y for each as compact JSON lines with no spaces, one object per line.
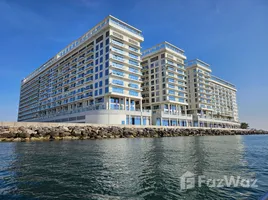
{"x":107,"y":64}
{"x":96,"y":85}
{"x":118,"y":82}
{"x":106,"y":72}
{"x":133,"y":70}
{"x":106,"y":81}
{"x":96,"y":69}
{"x":133,"y":56}
{"x":96,"y":76}
{"x":119,"y":73}
{"x":171,"y":92}
{"x":100,"y":74}
{"x":132,"y":62}
{"x":100,"y":83}
{"x":118,"y":90}
{"x":96,"y":92}
{"x":172,"y":98}
{"x":132,"y":85}
{"x":133,"y":93}
{"x":133,"y":49}
{"x":101,"y":67}
{"x":133,"y":77}
{"x":100,"y":91}
{"x":106,"y":89}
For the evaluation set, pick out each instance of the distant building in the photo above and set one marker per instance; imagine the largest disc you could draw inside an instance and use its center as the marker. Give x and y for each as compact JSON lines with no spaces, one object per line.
{"x":164,"y":85}
{"x":212,"y":101}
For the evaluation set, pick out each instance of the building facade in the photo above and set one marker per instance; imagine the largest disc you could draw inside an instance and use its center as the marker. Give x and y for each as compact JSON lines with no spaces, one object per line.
{"x":104,"y":78}
{"x":164,"y":85}
{"x":212,"y":101}
{"x":95,"y":79}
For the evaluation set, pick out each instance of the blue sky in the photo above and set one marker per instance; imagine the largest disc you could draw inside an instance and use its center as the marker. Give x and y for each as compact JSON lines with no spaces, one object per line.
{"x":231,"y":35}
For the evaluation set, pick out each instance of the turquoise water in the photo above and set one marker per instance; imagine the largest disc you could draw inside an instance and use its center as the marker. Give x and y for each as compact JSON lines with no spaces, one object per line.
{"x":132,"y":168}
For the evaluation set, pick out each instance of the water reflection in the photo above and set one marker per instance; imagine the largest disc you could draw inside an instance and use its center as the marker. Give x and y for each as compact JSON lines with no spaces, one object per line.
{"x":129,"y":168}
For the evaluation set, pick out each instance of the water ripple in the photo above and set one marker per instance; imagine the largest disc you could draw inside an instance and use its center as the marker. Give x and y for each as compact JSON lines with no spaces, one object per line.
{"x":132,"y":168}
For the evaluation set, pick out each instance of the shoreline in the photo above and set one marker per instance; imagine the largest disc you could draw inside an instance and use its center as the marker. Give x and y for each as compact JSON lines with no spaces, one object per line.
{"x":50,"y":132}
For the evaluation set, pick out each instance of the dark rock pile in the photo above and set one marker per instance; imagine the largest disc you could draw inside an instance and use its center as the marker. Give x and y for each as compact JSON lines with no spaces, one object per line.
{"x":33,"y":133}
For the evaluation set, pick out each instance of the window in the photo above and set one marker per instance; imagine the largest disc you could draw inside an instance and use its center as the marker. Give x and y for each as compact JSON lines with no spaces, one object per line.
{"x":101,"y":52}
{"x":99,"y":39}
{"x":101,"y":45}
{"x":100,"y":83}
{"x":154,"y":59}
{"x":96,"y":76}
{"x":107,"y":64}
{"x":96,"y":69}
{"x":133,"y":77}
{"x":133,"y":93}
{"x":101,"y":59}
{"x":118,"y":82}
{"x":171,"y":92}
{"x":106,"y":72}
{"x":97,"y":47}
{"x":101,"y":67}
{"x":107,"y":56}
{"x":107,"y":41}
{"x":119,"y":73}
{"x":107,"y":34}
{"x":106,"y":89}
{"x":132,"y":85}
{"x":172,"y":98}
{"x":97,"y":55}
{"x":107,"y":49}
{"x":100,"y":74}
{"x":100,"y":91}
{"x":133,"y":56}
{"x":106,"y":81}
{"x":132,"y":62}
{"x":118,"y":90}
{"x":96,"y":85}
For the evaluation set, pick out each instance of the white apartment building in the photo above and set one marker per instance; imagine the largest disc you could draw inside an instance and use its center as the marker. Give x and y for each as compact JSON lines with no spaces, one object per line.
{"x":164,"y":85}
{"x":103,"y":78}
{"x":212,"y":101}
{"x":95,"y":79}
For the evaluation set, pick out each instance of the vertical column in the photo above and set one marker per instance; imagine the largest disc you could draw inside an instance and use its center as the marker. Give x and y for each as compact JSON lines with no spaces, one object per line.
{"x":129,"y":104}
{"x":141,"y":112}
{"x":179,"y":107}
{"x":125,"y":99}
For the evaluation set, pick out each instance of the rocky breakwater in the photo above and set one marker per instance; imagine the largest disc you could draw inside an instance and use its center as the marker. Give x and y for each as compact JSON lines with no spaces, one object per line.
{"x":34,"y":133}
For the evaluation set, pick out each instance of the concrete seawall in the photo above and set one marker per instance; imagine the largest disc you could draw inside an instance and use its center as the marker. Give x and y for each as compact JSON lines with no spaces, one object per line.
{"x":33,"y":131}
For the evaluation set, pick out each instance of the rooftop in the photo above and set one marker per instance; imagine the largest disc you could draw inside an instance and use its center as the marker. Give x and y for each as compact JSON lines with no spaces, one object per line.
{"x":73,"y":45}
{"x":214,"y":78}
{"x":197,"y":62}
{"x":160,"y":46}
